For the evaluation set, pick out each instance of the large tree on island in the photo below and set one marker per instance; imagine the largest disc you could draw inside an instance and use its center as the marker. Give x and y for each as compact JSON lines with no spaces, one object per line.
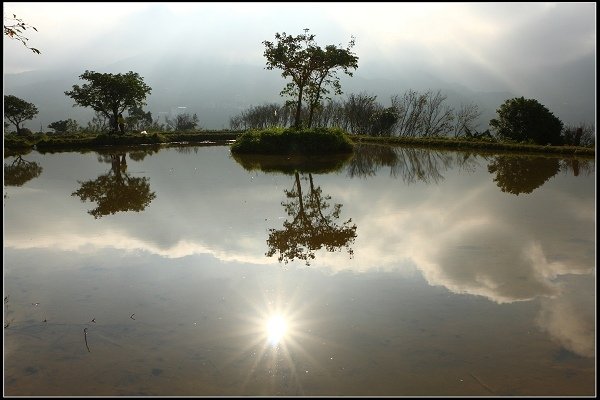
{"x":310,"y":67}
{"x":110,"y":94}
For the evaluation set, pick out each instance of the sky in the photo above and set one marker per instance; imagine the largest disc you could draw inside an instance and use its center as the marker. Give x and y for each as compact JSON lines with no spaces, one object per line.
{"x":545,"y":51}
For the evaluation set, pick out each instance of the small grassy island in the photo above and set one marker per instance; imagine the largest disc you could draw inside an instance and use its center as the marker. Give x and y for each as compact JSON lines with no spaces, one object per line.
{"x":284,"y":141}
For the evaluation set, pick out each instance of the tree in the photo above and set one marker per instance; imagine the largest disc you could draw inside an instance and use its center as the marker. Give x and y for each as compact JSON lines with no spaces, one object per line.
{"x":326,"y":63}
{"x":15,"y":29}
{"x":138,"y":119}
{"x":526,"y":120}
{"x":466,"y":116}
{"x":382,"y":121}
{"x":110,"y":94}
{"x":17,"y":110}
{"x":64,"y":126}
{"x":358,"y":112}
{"x":311,"y":68}
{"x":581,"y":134}
{"x":183,"y":122}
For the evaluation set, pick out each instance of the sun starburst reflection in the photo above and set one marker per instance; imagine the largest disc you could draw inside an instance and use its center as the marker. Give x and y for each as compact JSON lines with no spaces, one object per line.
{"x":276,"y":327}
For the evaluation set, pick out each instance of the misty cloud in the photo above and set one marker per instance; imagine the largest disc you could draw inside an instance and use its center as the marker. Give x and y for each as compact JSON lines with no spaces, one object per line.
{"x":209,"y":56}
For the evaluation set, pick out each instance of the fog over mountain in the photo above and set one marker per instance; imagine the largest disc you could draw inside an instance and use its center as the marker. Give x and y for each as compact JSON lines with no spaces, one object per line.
{"x":209,"y":57}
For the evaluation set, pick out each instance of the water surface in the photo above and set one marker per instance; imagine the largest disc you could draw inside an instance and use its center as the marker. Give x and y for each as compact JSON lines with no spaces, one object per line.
{"x":401,"y":272}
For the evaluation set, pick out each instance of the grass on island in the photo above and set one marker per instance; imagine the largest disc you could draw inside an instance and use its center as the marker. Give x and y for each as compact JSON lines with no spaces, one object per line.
{"x":293,"y":141}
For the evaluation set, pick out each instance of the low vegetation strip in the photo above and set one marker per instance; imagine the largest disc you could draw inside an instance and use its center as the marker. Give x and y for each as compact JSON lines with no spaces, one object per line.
{"x":467,"y":144}
{"x":277,"y":141}
{"x":77,"y":141}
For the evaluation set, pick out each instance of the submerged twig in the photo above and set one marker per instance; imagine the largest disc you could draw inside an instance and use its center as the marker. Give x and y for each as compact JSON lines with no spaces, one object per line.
{"x":85,"y":337}
{"x":489,"y":389}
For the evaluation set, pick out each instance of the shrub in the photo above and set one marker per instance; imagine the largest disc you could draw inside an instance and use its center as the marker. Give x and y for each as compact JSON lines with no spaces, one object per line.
{"x":525,"y":120}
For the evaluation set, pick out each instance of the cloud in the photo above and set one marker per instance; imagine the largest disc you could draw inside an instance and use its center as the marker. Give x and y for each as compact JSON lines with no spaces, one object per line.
{"x":569,"y":319}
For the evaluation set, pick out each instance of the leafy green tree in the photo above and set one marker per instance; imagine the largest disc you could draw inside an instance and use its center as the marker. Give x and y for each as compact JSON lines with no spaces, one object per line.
{"x":110,"y":94}
{"x":64,"y":126}
{"x":383,"y":121}
{"x":15,"y":28}
{"x":17,"y":110}
{"x":138,"y":119}
{"x":326,"y":64}
{"x":526,"y":120}
{"x":310,"y":68}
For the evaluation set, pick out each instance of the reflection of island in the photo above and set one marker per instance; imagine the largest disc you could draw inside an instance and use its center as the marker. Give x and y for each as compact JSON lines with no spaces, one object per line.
{"x":20,"y":171}
{"x":289,"y":164}
{"x":116,"y":190}
{"x":311,"y":227}
{"x":522,"y":174}
{"x":412,"y":164}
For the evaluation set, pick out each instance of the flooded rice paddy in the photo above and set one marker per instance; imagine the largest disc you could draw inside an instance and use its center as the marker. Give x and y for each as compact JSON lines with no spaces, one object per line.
{"x":395,"y":272}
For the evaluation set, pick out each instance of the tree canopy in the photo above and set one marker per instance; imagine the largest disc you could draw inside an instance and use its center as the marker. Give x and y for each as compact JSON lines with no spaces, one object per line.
{"x":526,"y":120}
{"x":311,"y":68}
{"x":64,"y":126}
{"x":17,"y":110}
{"x":110,"y":94}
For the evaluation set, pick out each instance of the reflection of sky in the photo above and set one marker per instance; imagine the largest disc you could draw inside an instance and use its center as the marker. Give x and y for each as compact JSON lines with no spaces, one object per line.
{"x":462,"y":233}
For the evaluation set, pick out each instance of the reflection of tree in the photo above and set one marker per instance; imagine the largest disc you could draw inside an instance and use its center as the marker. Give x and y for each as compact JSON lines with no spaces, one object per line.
{"x":289,"y":164}
{"x":522,"y":174}
{"x":369,"y":158}
{"x":412,"y":164}
{"x":140,"y":154}
{"x":311,"y":227}
{"x":20,"y":171}
{"x":577,"y":166}
{"x":116,"y":190}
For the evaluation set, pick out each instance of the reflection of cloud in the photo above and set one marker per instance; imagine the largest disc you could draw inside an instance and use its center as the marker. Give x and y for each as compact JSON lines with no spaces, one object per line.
{"x":570,"y":320}
{"x":484,"y":258}
{"x":114,"y":240}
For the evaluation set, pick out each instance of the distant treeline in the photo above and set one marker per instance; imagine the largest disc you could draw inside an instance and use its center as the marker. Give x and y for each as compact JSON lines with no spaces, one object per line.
{"x":412,"y":114}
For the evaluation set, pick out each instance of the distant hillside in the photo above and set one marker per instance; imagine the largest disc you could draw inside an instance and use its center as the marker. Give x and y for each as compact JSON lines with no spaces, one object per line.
{"x":217,"y":92}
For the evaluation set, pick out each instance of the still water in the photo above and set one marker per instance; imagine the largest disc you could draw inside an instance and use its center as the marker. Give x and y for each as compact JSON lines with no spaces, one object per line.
{"x":401,"y":272}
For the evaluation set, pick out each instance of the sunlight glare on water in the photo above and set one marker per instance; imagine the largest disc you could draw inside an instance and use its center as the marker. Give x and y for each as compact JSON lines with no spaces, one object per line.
{"x":276,"y":328}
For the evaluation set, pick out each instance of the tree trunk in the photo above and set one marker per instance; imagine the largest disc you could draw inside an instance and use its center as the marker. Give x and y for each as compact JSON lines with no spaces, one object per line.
{"x":298,"y":108}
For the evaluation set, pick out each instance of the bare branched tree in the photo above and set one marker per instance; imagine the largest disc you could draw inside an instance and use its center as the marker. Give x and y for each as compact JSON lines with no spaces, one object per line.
{"x":465,"y":118}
